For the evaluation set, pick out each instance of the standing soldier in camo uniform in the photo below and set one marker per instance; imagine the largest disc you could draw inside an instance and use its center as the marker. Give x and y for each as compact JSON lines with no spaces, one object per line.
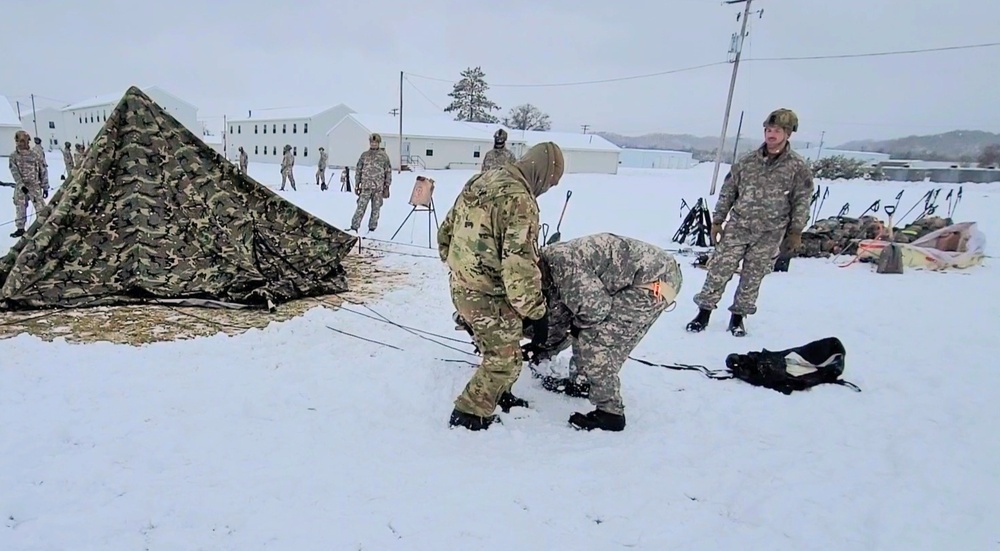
{"x":489,"y":240}
{"x":244,"y":161}
{"x":321,"y":169}
{"x":373,"y":177}
{"x":67,"y":154}
{"x":287,"y":168}
{"x":78,"y":157}
{"x":604,"y":292}
{"x":39,"y":151}
{"x":499,"y":155}
{"x":27,"y":170}
{"x":766,"y":194}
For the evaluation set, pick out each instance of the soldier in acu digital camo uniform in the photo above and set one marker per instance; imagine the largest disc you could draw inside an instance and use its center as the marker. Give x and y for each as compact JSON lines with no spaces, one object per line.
{"x":499,"y":155}
{"x":603,"y":292}
{"x":372,"y":180}
{"x":321,"y":169}
{"x":39,"y":151}
{"x":67,"y":154}
{"x":244,"y":161}
{"x":28,"y":171}
{"x":766,"y":194}
{"x":489,"y":240}
{"x":78,"y":156}
{"x":287,"y":168}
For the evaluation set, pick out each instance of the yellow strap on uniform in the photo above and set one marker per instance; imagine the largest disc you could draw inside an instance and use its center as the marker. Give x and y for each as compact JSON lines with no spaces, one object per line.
{"x":661,"y":290}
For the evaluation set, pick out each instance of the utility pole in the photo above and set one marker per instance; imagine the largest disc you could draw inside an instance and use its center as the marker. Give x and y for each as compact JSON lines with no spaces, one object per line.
{"x":820,"y":150}
{"x":738,"y":47}
{"x":18,"y":110}
{"x":400,"y":123}
{"x":585,"y":127}
{"x":34,"y":118}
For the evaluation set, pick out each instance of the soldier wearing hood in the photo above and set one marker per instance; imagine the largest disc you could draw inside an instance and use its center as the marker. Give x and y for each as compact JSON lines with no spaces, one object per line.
{"x":603,"y":292}
{"x":766,"y":196}
{"x":499,"y":155}
{"x":67,"y":153}
{"x":287,"y":168}
{"x":27,"y":170}
{"x":489,"y":240}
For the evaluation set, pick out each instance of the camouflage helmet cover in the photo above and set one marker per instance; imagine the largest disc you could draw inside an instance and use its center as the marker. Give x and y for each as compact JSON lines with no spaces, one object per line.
{"x":22,"y":137}
{"x":784,"y":118}
{"x":500,"y":136}
{"x":375,"y":138}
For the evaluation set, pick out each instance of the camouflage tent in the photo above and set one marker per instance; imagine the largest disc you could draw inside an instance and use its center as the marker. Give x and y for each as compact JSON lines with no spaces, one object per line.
{"x":156,"y":215}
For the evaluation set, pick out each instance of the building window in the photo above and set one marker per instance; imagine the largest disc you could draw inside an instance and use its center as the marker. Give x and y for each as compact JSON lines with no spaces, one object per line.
{"x":105,"y":116}
{"x":284,"y":128}
{"x":81,"y":120}
{"x":274,"y":128}
{"x":52,"y":124}
{"x":274,"y":150}
{"x":239,"y":128}
{"x":256,"y":150}
{"x":91,"y":117}
{"x":305,"y":128}
{"x":255,"y":129}
{"x":265,"y":129}
{"x":429,"y":152}
{"x":265,"y":150}
{"x":475,"y":154}
{"x":305,"y":151}
{"x":295,"y":128}
{"x":295,"y":151}
{"x":230,"y":129}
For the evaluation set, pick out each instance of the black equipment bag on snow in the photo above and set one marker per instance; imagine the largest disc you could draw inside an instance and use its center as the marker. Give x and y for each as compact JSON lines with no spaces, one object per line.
{"x":799,"y":368}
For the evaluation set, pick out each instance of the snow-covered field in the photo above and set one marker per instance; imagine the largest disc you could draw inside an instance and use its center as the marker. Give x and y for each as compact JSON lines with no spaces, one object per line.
{"x":300,"y":438}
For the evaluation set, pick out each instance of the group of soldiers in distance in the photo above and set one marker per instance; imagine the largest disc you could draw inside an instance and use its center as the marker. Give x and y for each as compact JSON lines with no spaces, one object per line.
{"x":598,"y":294}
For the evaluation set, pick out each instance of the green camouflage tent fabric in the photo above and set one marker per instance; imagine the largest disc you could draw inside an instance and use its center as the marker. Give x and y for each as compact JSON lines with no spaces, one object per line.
{"x":156,"y":215}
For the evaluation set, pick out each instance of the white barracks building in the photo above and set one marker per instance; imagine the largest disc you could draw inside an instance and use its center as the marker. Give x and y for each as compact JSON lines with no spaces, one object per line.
{"x":263,"y":133}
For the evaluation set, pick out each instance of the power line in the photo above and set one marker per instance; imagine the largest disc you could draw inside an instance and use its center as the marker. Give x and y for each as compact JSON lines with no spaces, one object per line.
{"x":430,"y":101}
{"x":706,"y":65}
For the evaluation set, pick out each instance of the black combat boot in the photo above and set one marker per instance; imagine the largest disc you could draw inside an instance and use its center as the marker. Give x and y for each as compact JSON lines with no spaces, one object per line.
{"x":470,"y":421}
{"x":17,"y":233}
{"x":736,"y":326}
{"x":508,"y":400}
{"x":597,"y":419}
{"x":700,"y":322}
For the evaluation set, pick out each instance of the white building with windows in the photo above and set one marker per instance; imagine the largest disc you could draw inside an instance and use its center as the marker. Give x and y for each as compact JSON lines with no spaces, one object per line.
{"x":870,"y":157}
{"x":582,"y":153}
{"x":9,"y":125}
{"x":51,"y":126}
{"x":264,"y":133}
{"x":429,"y":143}
{"x":84,"y":119}
{"x":656,"y":158}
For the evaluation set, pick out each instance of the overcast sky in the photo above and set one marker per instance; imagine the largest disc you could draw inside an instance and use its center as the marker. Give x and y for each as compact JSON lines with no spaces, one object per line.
{"x":227,"y":56}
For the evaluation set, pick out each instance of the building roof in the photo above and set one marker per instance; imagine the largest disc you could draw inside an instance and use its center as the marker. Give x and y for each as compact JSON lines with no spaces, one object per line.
{"x":428,"y":127}
{"x":286,"y":113}
{"x":648,"y":150}
{"x":113,"y":99}
{"x":8,"y":116}
{"x":565,"y":140}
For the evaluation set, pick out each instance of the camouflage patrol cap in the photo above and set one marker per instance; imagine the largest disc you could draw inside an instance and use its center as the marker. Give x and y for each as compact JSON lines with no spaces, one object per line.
{"x":784,"y":118}
{"x":500,"y":136}
{"x":375,"y":137}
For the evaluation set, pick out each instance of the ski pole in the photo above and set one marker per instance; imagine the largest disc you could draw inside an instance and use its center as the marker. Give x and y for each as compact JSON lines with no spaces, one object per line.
{"x":826,"y":193}
{"x":958,"y":200}
{"x":872,"y":208}
{"x":925,"y":197}
{"x":844,"y":210}
{"x":948,"y":198}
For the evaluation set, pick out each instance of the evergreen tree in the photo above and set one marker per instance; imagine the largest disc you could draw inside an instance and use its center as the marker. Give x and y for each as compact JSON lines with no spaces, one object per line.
{"x":469,"y":101}
{"x":527,"y":117}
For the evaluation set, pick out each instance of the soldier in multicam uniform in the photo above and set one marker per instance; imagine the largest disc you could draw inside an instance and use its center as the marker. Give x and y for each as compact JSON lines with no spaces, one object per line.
{"x":39,"y":152}
{"x":489,"y":240}
{"x":603,"y":292}
{"x":767,"y":195}
{"x":287,"y":168}
{"x":27,"y":170}
{"x":67,"y":154}
{"x":372,"y":179}
{"x":499,"y":155}
{"x":244,"y":161}
{"x":321,"y":169}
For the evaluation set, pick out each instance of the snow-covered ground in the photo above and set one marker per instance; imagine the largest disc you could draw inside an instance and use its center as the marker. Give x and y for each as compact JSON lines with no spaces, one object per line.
{"x":300,"y":438}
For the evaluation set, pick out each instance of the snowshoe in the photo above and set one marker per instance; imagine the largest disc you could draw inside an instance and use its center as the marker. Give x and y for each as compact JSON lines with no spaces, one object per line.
{"x":508,"y":401}
{"x":470,"y":421}
{"x":700,"y":322}
{"x":736,"y":326}
{"x":597,"y":419}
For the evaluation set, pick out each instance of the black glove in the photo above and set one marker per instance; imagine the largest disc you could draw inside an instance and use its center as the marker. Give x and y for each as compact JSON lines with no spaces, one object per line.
{"x":45,"y":194}
{"x":575,"y":331}
{"x":540,"y":331}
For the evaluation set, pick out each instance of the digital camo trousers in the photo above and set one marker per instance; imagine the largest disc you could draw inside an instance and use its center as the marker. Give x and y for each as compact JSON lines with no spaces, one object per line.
{"x":497,"y":332}
{"x":22,"y":194}
{"x":757,"y":251}
{"x":366,"y":196}
{"x":600,"y":351}
{"x":289,"y":175}
{"x":320,"y":175}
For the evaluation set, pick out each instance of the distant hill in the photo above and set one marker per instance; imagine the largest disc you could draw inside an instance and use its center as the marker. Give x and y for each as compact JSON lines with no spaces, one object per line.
{"x":702,"y":147}
{"x":957,"y":145}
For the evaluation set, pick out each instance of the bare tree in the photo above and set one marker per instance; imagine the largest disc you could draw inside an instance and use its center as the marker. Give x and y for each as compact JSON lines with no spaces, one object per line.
{"x":990,"y":155}
{"x":527,"y":117}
